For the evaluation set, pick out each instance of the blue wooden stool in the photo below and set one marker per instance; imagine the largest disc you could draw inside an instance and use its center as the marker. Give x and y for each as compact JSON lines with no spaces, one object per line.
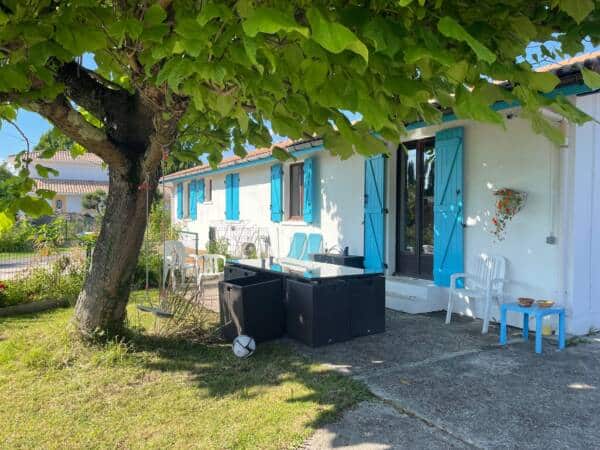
{"x":539,"y":314}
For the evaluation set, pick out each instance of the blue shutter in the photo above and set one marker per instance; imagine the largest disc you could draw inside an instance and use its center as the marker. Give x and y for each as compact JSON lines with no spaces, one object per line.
{"x":276,"y":203}
{"x":192,"y":206}
{"x":374,"y":213}
{"x":308,"y":190}
{"x":200,"y":190}
{"x":180,"y":201}
{"x":448,"y":252}
{"x":228,"y":197}
{"x":236,"y":196}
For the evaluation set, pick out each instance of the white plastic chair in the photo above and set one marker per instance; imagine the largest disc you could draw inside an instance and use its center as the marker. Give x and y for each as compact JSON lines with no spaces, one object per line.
{"x":175,"y":259}
{"x":208,"y":266}
{"x":486,"y":282}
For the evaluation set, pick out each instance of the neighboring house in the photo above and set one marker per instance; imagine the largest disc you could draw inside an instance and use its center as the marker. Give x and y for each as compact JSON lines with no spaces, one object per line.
{"x":426,"y":212}
{"x":76,"y":177}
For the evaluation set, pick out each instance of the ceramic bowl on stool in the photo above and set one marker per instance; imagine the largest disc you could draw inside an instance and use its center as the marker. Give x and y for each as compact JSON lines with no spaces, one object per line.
{"x":545,"y":303}
{"x":525,"y":302}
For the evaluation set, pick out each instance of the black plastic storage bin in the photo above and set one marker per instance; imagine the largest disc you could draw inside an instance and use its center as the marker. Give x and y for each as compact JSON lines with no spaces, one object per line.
{"x":252,"y":306}
{"x":234,"y":272}
{"x":367,"y":305}
{"x":318,"y":313}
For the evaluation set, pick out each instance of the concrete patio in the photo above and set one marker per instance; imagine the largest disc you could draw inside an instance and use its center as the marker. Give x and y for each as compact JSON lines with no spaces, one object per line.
{"x":438,"y":386}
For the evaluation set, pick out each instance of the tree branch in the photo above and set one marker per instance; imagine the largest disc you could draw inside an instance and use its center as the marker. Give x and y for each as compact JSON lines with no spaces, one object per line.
{"x":73,"y":124}
{"x":87,"y":91}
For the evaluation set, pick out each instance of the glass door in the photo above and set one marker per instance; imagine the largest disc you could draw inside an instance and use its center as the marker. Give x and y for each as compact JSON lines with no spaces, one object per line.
{"x":414,"y":243}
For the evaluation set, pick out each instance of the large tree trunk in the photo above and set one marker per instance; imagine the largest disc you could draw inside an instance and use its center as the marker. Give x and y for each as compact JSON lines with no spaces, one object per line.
{"x":101,"y":305}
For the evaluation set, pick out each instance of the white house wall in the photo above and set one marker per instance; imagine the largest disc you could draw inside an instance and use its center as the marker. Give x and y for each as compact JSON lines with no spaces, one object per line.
{"x":338,"y":199}
{"x":74,"y":171}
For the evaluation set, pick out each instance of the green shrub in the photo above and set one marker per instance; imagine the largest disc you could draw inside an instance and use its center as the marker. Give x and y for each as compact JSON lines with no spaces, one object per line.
{"x":63,"y":281}
{"x":17,"y":238}
{"x":218,"y":247}
{"x":50,"y":236}
{"x":154,"y":260}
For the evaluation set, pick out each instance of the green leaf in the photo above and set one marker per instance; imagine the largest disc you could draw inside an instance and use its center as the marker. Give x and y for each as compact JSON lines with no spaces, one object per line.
{"x":542,"y":126}
{"x":33,"y":206}
{"x":282,"y":154}
{"x":242,"y":118}
{"x":6,"y":221}
{"x":13,"y":78}
{"x":212,"y":11}
{"x":315,"y":74}
{"x":542,"y":81}
{"x":45,"y":193}
{"x":333,"y":36}
{"x":452,"y":29}
{"x":44,"y":171}
{"x":3,"y":18}
{"x":591,"y":78}
{"x":224,"y":104}
{"x":76,"y":150}
{"x":79,"y":40}
{"x":154,"y":15}
{"x":577,"y":9}
{"x":271,"y":21}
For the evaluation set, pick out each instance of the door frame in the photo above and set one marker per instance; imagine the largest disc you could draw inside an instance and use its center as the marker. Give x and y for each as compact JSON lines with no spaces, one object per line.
{"x":419,"y":265}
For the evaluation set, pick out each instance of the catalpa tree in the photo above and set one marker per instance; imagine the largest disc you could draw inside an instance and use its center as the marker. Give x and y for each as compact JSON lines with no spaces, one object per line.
{"x":210,"y":74}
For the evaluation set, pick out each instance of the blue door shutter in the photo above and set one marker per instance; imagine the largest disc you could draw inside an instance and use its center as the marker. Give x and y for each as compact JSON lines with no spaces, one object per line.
{"x":374,"y":213}
{"x":200,"y":190}
{"x":276,"y":197}
{"x":228,"y":198}
{"x":308,"y":190}
{"x":192,"y":205}
{"x":232,"y":196}
{"x":448,"y":252}
{"x":236,"y":196}
{"x":180,"y":201}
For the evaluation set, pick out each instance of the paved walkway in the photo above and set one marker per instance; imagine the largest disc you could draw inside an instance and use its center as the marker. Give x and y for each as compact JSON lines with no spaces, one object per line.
{"x":439,"y":386}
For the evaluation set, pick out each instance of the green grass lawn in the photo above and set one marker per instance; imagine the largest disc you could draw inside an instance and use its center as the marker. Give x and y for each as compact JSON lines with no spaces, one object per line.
{"x":156,"y":393}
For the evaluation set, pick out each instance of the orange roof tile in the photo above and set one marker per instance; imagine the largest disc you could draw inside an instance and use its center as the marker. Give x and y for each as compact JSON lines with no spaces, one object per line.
{"x":71,"y":187}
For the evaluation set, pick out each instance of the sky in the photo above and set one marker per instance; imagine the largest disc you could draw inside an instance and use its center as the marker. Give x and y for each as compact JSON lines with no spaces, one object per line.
{"x":33,"y":125}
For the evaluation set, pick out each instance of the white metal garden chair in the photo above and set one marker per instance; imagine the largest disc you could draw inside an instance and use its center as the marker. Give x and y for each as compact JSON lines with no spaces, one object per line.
{"x":208,"y":266}
{"x":175,"y":260}
{"x":486,"y":282}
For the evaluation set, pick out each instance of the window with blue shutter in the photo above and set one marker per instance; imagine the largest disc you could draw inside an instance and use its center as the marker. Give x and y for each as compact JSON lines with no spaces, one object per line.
{"x":200,"y":190}
{"x":180,"y":201}
{"x":193,"y":207}
{"x":448,"y":253}
{"x":232,"y":196}
{"x":308,"y":190}
{"x":276,"y":193}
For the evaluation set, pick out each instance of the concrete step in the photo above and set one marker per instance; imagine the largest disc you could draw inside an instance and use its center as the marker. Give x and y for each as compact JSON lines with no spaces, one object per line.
{"x":410,"y":304}
{"x":410,"y":287}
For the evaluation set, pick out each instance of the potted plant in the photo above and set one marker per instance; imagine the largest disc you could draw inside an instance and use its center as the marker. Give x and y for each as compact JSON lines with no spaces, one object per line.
{"x":508,"y":204}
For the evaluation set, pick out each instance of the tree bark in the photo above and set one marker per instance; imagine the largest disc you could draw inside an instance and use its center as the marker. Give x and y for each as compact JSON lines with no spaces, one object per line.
{"x":101,"y":306}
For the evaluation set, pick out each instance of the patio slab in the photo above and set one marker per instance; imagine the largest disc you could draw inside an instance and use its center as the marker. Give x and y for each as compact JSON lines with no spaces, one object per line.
{"x":463,"y":385}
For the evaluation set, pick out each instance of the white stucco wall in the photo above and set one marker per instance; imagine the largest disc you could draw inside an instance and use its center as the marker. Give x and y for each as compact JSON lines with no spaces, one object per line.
{"x":74,"y":170}
{"x":338,"y":204}
{"x":581,"y":216}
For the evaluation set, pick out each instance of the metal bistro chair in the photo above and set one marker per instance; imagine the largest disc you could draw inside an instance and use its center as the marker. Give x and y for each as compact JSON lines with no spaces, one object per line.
{"x":297,"y":246}
{"x":314,"y":244}
{"x":208,"y":266}
{"x":175,"y":259}
{"x":487,"y":283}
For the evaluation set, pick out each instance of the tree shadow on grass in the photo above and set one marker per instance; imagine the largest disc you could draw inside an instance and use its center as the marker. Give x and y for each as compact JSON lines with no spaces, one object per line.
{"x":218,"y":373}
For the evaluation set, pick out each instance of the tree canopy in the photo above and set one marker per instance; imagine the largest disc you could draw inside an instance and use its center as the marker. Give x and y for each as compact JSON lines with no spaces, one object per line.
{"x":226,"y":68}
{"x":215,"y":75}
